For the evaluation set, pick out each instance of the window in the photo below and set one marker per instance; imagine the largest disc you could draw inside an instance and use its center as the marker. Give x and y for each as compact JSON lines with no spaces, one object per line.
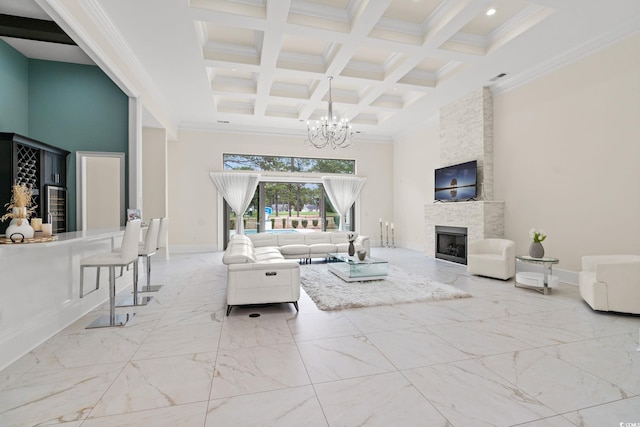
{"x":288,"y":164}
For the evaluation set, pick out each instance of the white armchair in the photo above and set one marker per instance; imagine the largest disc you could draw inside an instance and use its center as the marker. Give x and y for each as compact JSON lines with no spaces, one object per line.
{"x":492,"y":258}
{"x":611,"y":282}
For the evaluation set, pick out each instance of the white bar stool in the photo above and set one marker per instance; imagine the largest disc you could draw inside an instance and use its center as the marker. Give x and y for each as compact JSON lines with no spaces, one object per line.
{"x":146,"y":249}
{"x":127,"y":254}
{"x":160,"y":243}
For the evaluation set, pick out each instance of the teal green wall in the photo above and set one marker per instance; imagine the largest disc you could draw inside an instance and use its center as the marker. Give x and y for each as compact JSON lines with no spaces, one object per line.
{"x":14,"y":90}
{"x":71,"y":106}
{"x":78,"y":108}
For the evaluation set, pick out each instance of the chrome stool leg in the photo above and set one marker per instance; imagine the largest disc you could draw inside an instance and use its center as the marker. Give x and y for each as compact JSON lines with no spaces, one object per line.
{"x":113,"y":319}
{"x":148,"y":287}
{"x":135,"y":300}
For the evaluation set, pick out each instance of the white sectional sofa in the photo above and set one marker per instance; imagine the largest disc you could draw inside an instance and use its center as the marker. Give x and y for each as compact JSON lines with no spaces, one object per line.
{"x":259,"y":275}
{"x":304,"y":246}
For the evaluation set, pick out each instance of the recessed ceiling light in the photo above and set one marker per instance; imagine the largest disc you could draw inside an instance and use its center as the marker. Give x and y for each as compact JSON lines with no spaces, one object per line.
{"x":491,"y":11}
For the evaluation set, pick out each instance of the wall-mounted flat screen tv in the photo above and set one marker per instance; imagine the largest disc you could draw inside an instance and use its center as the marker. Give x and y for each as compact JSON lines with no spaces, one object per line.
{"x":456,"y":182}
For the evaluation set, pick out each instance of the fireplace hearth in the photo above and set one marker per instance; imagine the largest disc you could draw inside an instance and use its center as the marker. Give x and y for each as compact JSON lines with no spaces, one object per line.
{"x":451,"y":244}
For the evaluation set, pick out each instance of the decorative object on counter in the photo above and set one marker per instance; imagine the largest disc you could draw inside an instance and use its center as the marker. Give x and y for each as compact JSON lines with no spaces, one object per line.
{"x":381,"y":242}
{"x":536,"y":250}
{"x":352,"y":249}
{"x":47,"y":229}
{"x":362,"y":254}
{"x":19,"y":239}
{"x":36,"y":223}
{"x":19,"y":209}
{"x":133,"y":214}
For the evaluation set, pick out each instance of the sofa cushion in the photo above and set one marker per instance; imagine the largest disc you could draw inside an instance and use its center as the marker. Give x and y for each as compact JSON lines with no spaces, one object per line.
{"x":238,"y":253}
{"x":295,"y":250}
{"x":290,"y":239}
{"x":322,"y":249}
{"x":341,"y":236}
{"x":316,"y":238}
{"x":264,"y":239}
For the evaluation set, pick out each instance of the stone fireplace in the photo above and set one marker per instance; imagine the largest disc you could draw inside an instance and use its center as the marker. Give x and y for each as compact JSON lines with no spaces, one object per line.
{"x":466,"y":133}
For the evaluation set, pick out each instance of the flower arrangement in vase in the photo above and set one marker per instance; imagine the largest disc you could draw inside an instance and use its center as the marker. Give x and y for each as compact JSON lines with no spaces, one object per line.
{"x":351,"y":237}
{"x":536,"y":250}
{"x":19,"y":209}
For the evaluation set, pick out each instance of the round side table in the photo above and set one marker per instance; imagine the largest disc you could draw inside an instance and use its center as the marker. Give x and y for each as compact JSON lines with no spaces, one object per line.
{"x":541,"y":282}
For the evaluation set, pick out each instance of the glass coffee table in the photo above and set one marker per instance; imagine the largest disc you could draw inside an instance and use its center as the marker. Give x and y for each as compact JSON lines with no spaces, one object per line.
{"x":351,"y":269}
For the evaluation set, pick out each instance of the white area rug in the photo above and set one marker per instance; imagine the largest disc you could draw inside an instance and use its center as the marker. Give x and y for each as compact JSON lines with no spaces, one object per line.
{"x":329,"y":292}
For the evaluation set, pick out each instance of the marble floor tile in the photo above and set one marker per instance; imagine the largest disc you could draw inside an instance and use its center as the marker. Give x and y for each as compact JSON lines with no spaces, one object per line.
{"x":479,"y":338}
{"x":186,"y":415}
{"x":157,"y":383}
{"x":55,"y":396}
{"x":558,"y":421}
{"x":382,"y":318}
{"x":378,"y":400}
{"x":530,"y":330}
{"x":256,"y":369}
{"x":466,"y":393}
{"x":321,"y":325}
{"x":180,"y":340}
{"x":413,"y":348}
{"x":504,"y":357}
{"x":340,"y":358}
{"x":615,"y":359}
{"x":434,"y":314}
{"x":623,"y":413}
{"x":192,"y":315}
{"x":244,"y":331}
{"x":290,"y":407}
{"x":92,"y":346}
{"x":557,"y":384}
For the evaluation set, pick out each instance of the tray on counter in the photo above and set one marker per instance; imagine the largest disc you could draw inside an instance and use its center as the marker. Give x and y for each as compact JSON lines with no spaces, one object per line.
{"x":37,"y":239}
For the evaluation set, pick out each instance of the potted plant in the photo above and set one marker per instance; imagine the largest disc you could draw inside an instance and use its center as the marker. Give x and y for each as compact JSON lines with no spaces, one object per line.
{"x":304,"y":223}
{"x":273,"y":223}
{"x":19,"y":209}
{"x":294,"y":223}
{"x":315,"y":223}
{"x":284,"y":223}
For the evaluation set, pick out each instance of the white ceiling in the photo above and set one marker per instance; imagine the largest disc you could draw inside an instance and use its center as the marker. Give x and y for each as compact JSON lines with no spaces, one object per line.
{"x":263,"y":66}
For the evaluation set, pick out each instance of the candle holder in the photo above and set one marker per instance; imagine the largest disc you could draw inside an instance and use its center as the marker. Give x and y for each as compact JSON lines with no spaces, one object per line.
{"x":393,"y":238}
{"x":381,"y":243}
{"x":388,"y":237}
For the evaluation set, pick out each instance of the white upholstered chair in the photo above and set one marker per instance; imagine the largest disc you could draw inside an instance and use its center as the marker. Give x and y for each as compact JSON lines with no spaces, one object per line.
{"x":147,"y":250}
{"x":492,"y":258}
{"x":611,"y":282}
{"x":126,"y":255}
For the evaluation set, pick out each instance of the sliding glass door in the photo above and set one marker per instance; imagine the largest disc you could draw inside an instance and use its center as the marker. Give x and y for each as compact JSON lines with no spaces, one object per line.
{"x":287,"y":207}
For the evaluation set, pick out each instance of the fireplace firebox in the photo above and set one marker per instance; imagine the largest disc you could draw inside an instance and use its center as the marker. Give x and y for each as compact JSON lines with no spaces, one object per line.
{"x":451,"y":244}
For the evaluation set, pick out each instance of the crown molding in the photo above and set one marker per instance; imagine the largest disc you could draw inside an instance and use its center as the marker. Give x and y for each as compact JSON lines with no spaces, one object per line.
{"x":264,"y":130}
{"x":623,"y":31}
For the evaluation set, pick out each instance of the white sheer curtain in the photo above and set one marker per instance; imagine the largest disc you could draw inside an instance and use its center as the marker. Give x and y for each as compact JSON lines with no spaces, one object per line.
{"x":237,"y":189}
{"x":343,"y":192}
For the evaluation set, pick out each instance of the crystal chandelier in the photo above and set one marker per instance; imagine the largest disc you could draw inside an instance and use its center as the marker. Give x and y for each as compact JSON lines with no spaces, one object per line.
{"x":328,"y":130}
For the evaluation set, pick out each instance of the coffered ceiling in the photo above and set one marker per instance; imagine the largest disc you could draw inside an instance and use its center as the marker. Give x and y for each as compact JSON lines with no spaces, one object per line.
{"x":258,"y":65}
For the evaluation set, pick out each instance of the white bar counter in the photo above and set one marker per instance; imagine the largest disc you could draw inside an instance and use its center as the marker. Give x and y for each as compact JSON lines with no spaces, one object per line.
{"x":40,"y":284}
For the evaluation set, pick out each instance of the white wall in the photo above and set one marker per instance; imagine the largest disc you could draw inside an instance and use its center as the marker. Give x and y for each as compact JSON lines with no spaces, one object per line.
{"x":567,"y":156}
{"x":414,"y":159}
{"x":154,"y":173}
{"x":194,"y":199}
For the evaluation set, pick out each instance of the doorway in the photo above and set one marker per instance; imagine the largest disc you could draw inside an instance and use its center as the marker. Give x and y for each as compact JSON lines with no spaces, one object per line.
{"x":100,"y":189}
